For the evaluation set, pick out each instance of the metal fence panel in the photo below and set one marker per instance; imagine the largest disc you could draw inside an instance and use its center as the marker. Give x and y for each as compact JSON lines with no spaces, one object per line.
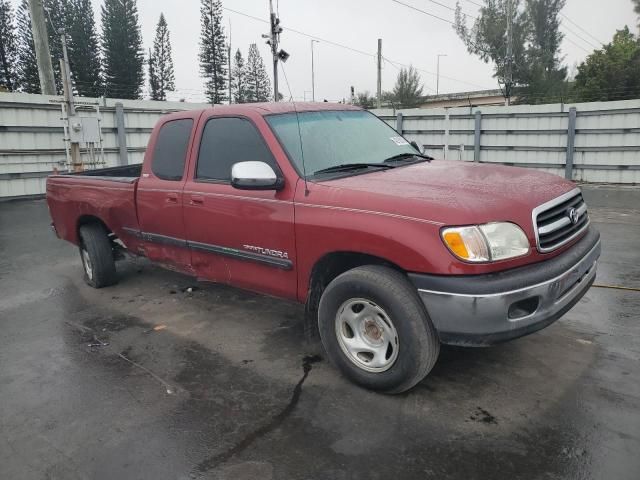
{"x":32,"y":136}
{"x":606,"y":144}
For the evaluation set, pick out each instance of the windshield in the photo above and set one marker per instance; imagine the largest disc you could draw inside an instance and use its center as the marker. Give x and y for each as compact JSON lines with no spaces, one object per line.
{"x":333,"y":138}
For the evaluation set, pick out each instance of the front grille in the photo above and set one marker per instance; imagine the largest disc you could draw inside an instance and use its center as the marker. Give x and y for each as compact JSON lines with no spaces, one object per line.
{"x":559,"y":221}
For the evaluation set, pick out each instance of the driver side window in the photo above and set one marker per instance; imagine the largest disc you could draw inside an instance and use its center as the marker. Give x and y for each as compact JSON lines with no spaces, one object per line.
{"x":226,"y":141}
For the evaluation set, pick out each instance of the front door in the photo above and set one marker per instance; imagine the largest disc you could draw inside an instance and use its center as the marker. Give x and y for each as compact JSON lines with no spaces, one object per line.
{"x":250,"y":232}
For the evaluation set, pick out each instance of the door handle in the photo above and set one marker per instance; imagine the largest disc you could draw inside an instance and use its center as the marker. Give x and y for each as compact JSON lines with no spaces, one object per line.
{"x":197,"y":199}
{"x":172,"y":197}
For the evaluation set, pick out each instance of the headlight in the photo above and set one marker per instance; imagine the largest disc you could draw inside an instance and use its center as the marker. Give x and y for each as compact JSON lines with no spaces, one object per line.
{"x":486,"y":243}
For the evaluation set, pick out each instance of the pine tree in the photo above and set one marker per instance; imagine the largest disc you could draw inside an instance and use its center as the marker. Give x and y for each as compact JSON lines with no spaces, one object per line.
{"x":27,"y":67}
{"x":153,"y":77}
{"x":122,"y":49}
{"x":84,"y":50}
{"x":8,"y":47}
{"x":258,"y":84}
{"x":161,"y":77}
{"x":407,"y":91}
{"x":56,"y":18}
{"x":213,"y":51}
{"x":239,"y":81}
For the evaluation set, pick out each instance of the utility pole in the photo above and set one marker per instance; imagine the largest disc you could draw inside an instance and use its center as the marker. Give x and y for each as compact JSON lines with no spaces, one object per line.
{"x":229,"y":74}
{"x":229,"y":63}
{"x":273,"y":42}
{"x":313,"y":78}
{"x":508,"y":78}
{"x":41,"y":43}
{"x":67,"y":85}
{"x":379,"y":97}
{"x":438,"y":73}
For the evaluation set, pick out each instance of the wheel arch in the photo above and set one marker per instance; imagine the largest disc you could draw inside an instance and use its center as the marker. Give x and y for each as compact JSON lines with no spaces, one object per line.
{"x":89,"y":219}
{"x":325,"y":270}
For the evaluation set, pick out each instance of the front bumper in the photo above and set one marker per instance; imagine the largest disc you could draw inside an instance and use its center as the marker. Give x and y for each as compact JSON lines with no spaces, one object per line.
{"x":479,"y":310}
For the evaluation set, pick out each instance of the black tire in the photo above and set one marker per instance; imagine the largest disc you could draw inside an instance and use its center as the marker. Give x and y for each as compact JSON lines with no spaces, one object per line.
{"x":95,"y":244}
{"x":418,"y":343}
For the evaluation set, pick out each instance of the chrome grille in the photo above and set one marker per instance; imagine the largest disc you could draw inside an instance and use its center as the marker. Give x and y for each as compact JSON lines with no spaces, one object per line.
{"x":559,"y":221}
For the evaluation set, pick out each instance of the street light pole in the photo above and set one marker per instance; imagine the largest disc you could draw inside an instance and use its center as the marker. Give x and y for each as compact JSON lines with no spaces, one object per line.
{"x":438,"y":73}
{"x":275,"y":32}
{"x":313,"y":77}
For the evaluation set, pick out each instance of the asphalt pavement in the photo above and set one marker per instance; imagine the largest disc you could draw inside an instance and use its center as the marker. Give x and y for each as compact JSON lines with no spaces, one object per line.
{"x":162,"y":377}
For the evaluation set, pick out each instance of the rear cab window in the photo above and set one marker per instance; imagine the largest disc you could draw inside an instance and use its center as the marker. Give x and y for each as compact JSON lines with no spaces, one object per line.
{"x":226,"y":141}
{"x":170,"y":151}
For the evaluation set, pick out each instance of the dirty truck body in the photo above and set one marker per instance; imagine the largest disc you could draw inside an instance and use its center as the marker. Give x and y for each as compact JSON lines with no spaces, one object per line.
{"x":393,"y":253}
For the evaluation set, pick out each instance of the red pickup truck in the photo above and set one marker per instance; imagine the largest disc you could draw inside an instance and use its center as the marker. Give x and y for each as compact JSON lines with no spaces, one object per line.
{"x":392,"y":252}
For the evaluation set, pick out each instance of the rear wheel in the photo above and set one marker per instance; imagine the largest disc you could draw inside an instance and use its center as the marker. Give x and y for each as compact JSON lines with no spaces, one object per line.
{"x":376,"y":330}
{"x":96,"y":253}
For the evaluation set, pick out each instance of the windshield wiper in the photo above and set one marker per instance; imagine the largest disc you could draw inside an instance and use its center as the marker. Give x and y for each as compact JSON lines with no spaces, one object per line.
{"x":408,"y":156}
{"x":346,"y":167}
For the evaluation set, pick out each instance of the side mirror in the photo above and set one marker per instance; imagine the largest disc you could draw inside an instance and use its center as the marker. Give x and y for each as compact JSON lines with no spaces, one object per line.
{"x":415,"y":145}
{"x":255,"y":176}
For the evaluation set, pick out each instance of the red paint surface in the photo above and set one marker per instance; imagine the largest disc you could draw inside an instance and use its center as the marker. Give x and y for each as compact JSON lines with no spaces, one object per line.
{"x":393,"y":214}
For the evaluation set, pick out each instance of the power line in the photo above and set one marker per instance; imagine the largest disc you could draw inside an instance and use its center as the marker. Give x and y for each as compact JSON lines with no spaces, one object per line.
{"x":355,"y":50}
{"x":435,"y":74}
{"x":582,"y":29}
{"x":449,"y":7}
{"x":399,"y":66}
{"x":576,"y":44}
{"x":580,"y":37}
{"x":423,"y":11}
{"x":331,"y":42}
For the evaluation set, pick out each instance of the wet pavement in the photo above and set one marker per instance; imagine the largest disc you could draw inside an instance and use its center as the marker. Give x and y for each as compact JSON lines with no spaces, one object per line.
{"x":147,"y":379}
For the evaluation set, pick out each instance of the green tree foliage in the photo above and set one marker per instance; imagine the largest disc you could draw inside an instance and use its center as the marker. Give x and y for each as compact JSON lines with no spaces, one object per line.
{"x":83,"y":48}
{"x":239,"y":79}
{"x":544,"y":75}
{"x":75,"y":17}
{"x":27,"y":68}
{"x":488,"y":37}
{"x":8,"y":47}
{"x":365,"y":100}
{"x":407,"y":90}
{"x":258,"y":84}
{"x":536,"y":65}
{"x":213,"y":51}
{"x":161,"y":76}
{"x":122,"y":49}
{"x":611,"y":73}
{"x":57,"y":17}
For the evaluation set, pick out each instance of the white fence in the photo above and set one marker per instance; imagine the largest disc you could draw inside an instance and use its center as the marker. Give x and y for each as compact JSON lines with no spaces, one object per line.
{"x":588,"y":142}
{"x":592,"y":142}
{"x":32,"y":136}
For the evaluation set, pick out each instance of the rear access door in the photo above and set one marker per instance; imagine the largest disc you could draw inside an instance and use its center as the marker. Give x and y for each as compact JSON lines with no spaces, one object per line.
{"x":160,"y":192}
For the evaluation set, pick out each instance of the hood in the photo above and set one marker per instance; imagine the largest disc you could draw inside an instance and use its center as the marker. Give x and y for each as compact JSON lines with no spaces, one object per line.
{"x":450,"y":192}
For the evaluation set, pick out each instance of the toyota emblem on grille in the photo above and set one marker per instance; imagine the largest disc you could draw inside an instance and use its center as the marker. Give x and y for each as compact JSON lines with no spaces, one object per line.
{"x":574,"y":215}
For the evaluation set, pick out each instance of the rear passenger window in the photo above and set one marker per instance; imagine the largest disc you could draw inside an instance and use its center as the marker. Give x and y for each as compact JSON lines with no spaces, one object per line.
{"x":170,"y":151}
{"x":226,"y":141}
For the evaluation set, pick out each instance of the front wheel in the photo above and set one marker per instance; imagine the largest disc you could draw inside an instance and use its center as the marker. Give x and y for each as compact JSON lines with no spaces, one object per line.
{"x":376,"y":330}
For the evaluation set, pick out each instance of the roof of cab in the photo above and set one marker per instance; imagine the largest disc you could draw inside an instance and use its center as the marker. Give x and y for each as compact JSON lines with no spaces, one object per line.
{"x":274,"y":107}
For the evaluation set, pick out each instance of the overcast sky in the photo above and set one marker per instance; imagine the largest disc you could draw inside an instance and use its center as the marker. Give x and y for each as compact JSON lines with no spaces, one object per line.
{"x":408,"y":37}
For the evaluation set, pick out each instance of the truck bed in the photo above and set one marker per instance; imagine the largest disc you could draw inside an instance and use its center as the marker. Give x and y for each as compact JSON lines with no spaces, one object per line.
{"x":125,"y":173}
{"x":107,"y":194}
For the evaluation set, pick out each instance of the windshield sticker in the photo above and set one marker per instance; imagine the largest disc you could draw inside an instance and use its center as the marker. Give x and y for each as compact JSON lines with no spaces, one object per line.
{"x":399,"y":141}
